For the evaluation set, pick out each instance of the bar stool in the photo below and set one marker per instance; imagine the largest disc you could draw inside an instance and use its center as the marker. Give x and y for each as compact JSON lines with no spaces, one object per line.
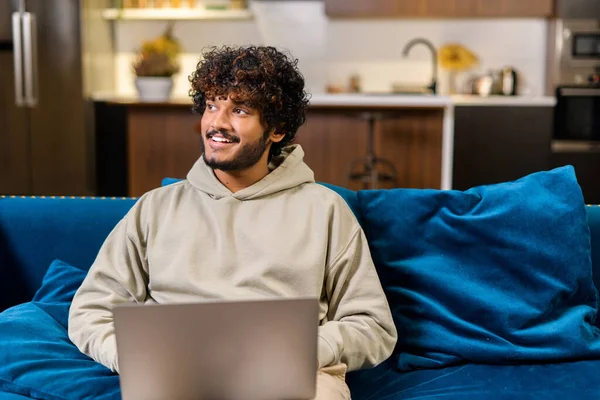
{"x":370,"y":175}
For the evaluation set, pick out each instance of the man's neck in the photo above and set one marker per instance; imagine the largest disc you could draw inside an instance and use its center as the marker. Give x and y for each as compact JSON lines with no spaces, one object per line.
{"x":239,"y":180}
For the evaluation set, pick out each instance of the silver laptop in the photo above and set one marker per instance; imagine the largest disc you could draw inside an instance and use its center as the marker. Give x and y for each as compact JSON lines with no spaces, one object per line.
{"x":227,"y":350}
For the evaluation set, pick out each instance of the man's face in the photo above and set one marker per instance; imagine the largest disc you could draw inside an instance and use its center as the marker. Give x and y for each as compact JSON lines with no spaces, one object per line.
{"x":233,"y":136}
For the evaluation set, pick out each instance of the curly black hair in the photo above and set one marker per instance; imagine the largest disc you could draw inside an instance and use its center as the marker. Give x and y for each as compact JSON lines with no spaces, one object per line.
{"x":261,"y":76}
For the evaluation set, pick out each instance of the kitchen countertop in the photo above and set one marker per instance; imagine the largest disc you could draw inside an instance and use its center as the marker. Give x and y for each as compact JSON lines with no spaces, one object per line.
{"x":379,"y":100}
{"x":470,"y":100}
{"x":407,"y":100}
{"x":370,"y":100}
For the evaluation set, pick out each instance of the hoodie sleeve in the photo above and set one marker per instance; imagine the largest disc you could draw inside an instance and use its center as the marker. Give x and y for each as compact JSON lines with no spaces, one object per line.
{"x":119,"y":275}
{"x":359,"y":331}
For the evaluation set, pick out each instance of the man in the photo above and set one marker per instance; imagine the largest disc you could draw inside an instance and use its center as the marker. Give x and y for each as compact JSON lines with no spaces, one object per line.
{"x":248,"y":222}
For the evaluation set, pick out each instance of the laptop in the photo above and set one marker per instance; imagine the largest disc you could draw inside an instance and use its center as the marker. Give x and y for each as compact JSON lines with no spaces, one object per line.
{"x":226,"y":350}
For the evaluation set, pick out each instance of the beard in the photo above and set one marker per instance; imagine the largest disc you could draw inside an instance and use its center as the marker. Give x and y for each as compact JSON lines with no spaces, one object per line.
{"x":247,"y":155}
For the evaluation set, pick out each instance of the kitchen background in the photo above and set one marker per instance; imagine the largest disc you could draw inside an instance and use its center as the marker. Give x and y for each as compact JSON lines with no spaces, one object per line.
{"x":74,"y":119}
{"x":331,"y":51}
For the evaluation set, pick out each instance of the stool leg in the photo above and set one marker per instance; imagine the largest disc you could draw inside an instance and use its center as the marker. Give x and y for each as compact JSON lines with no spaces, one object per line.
{"x":372,"y":166}
{"x":371,"y":174}
{"x":350,"y":168}
{"x":391,"y":166}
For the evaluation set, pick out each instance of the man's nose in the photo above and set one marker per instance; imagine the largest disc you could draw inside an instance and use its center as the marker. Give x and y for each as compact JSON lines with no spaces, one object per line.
{"x":221,"y":120}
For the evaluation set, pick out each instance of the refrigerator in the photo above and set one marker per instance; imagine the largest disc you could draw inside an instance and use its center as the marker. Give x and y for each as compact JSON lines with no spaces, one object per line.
{"x":44,"y":148}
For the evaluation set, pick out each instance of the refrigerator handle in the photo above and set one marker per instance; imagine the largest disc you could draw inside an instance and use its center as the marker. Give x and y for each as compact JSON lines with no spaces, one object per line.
{"x":18,"y":59}
{"x":30,"y":58}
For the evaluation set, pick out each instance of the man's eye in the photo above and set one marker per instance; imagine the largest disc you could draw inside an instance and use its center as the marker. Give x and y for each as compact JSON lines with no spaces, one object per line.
{"x":240,"y":111}
{"x":210,"y":107}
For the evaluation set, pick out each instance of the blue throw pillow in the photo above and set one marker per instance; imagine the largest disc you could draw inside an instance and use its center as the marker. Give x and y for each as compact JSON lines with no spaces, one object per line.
{"x":495,"y":274}
{"x":60,"y":283}
{"x":37,"y":359}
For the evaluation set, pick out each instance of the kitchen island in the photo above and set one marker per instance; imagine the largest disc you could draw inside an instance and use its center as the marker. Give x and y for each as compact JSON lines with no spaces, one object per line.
{"x":414,"y":132}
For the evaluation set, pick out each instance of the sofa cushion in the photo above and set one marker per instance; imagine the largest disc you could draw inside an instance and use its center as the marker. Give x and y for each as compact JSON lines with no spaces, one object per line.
{"x":38,"y":360}
{"x":60,"y":283}
{"x":495,"y":274}
{"x":555,"y":381}
{"x":12,"y":396}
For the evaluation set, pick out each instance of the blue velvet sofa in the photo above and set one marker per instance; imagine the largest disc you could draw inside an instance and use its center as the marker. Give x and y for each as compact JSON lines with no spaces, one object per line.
{"x":493,"y":291}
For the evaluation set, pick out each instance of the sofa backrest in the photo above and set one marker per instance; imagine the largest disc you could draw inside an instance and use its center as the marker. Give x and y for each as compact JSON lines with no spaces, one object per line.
{"x":36,"y":230}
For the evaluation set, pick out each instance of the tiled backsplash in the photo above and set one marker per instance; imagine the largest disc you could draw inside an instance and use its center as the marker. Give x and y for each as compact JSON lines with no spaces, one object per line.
{"x":330,"y":51}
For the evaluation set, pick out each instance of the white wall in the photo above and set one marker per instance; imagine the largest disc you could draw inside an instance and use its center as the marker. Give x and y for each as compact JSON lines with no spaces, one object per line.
{"x":330,"y":51}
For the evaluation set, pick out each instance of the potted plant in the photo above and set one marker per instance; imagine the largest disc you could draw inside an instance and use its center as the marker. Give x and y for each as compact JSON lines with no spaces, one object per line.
{"x":155,"y":66}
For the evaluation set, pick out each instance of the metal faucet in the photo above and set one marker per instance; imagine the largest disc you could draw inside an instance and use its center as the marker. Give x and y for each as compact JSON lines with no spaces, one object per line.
{"x":429,"y":45}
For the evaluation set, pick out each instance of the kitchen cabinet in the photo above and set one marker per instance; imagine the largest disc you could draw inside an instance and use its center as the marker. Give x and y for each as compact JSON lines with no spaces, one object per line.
{"x":140,"y":144}
{"x":577,"y":9}
{"x":439,"y":8}
{"x":494,"y":144}
{"x":137,"y":145}
{"x":410,"y":138}
{"x":162,"y":142}
{"x":587,"y":170}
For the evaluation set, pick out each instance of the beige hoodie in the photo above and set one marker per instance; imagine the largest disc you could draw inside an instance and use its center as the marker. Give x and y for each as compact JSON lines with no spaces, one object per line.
{"x":284,"y":236}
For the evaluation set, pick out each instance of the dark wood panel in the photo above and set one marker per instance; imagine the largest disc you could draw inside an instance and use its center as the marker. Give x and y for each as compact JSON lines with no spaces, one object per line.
{"x":577,"y":9}
{"x":587,"y":170}
{"x":438,"y":8}
{"x":15,"y":172}
{"x":412,"y":140}
{"x":450,"y":8}
{"x":515,"y":8}
{"x":331,"y":140}
{"x":409,"y":138}
{"x":162,"y":142}
{"x":499,"y":144}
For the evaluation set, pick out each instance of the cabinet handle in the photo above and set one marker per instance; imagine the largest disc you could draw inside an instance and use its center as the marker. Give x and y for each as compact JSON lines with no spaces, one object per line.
{"x":581,"y":92}
{"x":30,"y":58}
{"x":572,"y":146}
{"x":18,"y":59}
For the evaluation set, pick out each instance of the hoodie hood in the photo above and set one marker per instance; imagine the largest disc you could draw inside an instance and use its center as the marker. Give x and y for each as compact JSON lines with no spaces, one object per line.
{"x":288,"y":170}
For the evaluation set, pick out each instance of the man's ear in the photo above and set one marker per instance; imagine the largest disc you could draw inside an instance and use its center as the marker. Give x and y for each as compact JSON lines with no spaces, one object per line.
{"x":277,"y":135}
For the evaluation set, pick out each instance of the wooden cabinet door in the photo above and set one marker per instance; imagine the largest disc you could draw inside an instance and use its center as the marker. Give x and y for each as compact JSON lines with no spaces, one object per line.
{"x":499,"y":144}
{"x":162,"y":143}
{"x":438,"y":8}
{"x":514,"y":8}
{"x":411,"y":139}
{"x":587,"y":169}
{"x":373,"y":8}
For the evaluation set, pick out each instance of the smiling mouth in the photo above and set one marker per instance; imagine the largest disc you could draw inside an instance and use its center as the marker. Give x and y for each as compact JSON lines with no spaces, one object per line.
{"x":220,"y":139}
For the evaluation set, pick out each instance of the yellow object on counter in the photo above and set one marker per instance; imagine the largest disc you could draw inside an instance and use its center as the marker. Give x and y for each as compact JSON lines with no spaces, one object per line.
{"x":456,"y":57}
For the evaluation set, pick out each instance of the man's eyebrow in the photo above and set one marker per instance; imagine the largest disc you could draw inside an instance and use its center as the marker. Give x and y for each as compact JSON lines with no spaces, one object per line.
{"x":246,"y":103}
